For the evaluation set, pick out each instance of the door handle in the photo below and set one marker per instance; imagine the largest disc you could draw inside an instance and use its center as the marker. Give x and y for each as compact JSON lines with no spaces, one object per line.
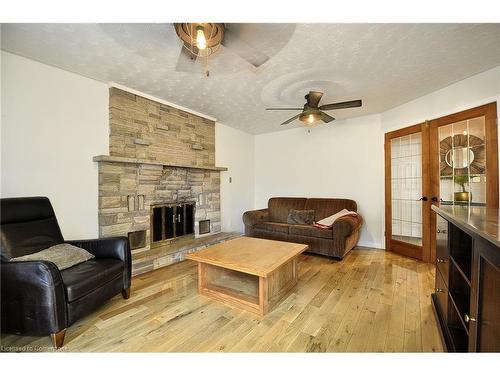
{"x":468,"y":319}
{"x":425,"y":199}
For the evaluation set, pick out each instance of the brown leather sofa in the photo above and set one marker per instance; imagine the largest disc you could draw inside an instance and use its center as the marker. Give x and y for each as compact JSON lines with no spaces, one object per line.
{"x":271,"y":223}
{"x":37,"y":298}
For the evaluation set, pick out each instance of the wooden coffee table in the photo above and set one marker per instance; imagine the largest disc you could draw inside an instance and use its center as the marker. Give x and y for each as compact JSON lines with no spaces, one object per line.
{"x":251,"y":273}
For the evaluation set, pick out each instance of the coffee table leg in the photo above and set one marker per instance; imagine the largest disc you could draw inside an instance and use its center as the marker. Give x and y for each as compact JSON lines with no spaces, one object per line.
{"x":263,"y":295}
{"x":201,"y":277}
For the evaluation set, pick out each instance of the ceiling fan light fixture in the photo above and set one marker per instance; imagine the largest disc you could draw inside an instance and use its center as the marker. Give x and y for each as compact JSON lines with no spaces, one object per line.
{"x":310,"y":117}
{"x":312,"y":112}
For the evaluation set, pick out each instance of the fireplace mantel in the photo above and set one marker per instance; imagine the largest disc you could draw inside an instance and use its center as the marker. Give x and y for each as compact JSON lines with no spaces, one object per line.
{"x":120,"y":159}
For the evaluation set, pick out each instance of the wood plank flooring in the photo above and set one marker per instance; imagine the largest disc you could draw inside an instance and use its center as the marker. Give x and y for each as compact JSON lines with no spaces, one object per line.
{"x":372,"y":301}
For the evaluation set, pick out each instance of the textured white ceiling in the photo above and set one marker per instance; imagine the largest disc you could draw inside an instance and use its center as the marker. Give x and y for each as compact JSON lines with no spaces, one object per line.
{"x":383,"y":64}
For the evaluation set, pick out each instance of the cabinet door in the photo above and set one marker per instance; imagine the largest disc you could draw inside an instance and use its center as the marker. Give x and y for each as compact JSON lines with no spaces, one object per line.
{"x":442,"y":250}
{"x":484,"y":326}
{"x":442,"y":297}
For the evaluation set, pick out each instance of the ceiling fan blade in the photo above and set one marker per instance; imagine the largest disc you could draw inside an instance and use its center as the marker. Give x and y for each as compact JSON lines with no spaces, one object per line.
{"x":235,"y":43}
{"x":290,"y":120}
{"x":284,"y":109}
{"x":313,"y":98}
{"x":326,"y":117}
{"x":341,"y":105}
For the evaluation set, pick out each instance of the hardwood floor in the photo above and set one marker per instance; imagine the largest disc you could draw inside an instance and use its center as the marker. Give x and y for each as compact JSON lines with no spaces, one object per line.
{"x":372,"y":301}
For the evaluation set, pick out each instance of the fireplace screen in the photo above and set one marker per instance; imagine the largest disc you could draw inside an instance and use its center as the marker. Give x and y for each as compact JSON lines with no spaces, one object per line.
{"x":171,"y":221}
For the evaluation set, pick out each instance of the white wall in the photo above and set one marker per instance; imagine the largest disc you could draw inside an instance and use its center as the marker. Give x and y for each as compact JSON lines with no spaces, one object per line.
{"x":235,"y":149}
{"x":339,"y":160}
{"x":53,"y":122}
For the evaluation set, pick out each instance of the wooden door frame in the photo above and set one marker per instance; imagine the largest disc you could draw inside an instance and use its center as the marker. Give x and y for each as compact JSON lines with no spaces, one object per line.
{"x":413,"y":251}
{"x":489,"y":111}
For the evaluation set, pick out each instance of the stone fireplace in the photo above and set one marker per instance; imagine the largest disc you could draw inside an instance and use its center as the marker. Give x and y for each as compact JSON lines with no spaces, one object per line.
{"x":159,"y":180}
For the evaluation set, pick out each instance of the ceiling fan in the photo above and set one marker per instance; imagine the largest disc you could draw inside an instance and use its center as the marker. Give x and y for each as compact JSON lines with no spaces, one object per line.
{"x":312,"y":114}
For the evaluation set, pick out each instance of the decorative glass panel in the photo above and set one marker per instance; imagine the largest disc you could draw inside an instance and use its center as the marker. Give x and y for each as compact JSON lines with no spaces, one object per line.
{"x":462,"y":157}
{"x":406,"y":185}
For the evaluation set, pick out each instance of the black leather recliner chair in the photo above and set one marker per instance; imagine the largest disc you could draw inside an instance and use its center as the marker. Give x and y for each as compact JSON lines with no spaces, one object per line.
{"x":37,"y":298}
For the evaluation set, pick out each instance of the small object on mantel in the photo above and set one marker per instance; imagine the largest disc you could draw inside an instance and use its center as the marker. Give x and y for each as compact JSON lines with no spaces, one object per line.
{"x":197,"y":146}
{"x":143,"y":142}
{"x":121,"y":159}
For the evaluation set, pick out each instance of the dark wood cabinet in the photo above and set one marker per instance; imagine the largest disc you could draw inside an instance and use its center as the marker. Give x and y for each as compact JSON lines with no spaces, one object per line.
{"x":484,"y":315}
{"x":467,"y":290}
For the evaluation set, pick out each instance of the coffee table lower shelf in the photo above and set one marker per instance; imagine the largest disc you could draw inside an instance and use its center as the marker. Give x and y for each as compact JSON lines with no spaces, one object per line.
{"x":257,"y":294}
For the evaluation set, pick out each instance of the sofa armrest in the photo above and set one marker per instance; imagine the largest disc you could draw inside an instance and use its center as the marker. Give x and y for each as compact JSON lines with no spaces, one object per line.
{"x":346,"y":225}
{"x":251,"y":218}
{"x":33,"y":297}
{"x":110,"y":247}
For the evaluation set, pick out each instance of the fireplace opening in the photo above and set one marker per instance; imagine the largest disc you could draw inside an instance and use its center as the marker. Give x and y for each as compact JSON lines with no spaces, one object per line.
{"x":170,"y":221}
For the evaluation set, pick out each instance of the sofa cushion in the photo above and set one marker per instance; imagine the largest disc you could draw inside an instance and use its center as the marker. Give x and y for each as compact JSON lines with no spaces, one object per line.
{"x":84,"y":278}
{"x":324,"y":207}
{"x":311,"y":231}
{"x":304,"y":217}
{"x":280,"y":207}
{"x":272,"y":227}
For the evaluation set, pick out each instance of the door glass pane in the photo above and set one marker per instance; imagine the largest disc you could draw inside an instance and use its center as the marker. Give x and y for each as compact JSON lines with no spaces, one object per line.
{"x":406,"y":188}
{"x":462,"y":162}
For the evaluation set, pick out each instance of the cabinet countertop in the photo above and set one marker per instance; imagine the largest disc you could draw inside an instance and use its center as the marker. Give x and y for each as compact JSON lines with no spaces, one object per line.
{"x":482,"y":221}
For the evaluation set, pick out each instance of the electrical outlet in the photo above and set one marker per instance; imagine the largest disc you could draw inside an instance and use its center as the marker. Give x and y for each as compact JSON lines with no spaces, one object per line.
{"x":230,"y":180}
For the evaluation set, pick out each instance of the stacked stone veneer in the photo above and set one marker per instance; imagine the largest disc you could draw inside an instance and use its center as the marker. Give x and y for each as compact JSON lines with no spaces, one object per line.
{"x":143,"y":129}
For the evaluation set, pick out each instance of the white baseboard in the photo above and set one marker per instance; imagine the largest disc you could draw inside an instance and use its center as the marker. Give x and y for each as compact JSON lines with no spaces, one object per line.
{"x":372,"y":245}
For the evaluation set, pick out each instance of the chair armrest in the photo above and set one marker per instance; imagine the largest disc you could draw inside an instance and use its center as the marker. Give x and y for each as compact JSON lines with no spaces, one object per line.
{"x":108,"y":247}
{"x":33,"y":297}
{"x":346,"y":225}
{"x":256,"y":216}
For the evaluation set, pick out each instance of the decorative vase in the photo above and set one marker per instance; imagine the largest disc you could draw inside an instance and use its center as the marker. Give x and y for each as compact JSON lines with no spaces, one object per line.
{"x":463,"y":196}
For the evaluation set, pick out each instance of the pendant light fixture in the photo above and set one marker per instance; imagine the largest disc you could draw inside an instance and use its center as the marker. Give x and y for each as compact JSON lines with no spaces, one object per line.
{"x":201,"y":40}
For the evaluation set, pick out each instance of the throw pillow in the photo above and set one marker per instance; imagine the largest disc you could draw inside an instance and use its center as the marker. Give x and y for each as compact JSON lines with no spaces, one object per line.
{"x":305,"y":217}
{"x":63,"y":256}
{"x":327,"y":222}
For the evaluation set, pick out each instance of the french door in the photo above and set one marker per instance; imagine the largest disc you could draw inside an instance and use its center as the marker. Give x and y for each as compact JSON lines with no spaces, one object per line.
{"x":407,"y":190}
{"x":452,"y":160}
